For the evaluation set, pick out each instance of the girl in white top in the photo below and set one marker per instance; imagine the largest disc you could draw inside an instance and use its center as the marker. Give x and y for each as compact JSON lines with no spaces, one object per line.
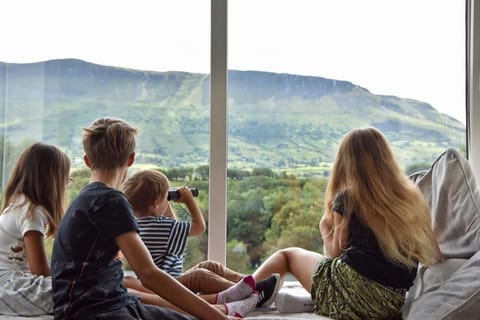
{"x":32,"y":206}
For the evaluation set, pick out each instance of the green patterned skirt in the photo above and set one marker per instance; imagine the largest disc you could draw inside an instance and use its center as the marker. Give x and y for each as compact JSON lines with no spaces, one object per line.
{"x":340,"y":292}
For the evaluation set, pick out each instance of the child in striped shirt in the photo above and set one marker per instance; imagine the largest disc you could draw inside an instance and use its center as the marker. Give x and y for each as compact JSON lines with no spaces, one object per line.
{"x":166,"y":238}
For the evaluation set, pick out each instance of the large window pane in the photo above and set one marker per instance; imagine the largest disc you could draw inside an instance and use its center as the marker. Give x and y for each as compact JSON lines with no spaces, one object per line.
{"x":301,"y":74}
{"x":64,"y":64}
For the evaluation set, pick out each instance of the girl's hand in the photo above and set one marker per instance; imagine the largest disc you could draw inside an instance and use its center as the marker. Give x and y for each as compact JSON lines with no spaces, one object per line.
{"x":326,"y":224}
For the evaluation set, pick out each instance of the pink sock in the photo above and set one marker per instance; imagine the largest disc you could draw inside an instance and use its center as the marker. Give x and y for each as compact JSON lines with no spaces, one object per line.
{"x":238,"y":291}
{"x":241,"y":308}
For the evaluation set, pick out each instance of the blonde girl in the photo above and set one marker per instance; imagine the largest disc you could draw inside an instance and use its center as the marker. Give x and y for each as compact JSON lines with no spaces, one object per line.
{"x":376,"y":229}
{"x":33,"y":204}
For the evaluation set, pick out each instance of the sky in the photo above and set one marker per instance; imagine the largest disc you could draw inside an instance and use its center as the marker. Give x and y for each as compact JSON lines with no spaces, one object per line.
{"x":407,"y":48}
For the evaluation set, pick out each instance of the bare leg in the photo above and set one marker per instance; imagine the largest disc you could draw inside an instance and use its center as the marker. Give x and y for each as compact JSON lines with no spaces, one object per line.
{"x":297,"y":261}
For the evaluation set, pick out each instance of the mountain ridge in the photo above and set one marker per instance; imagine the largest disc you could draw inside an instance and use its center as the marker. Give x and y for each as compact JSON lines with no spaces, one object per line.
{"x":302,"y":117}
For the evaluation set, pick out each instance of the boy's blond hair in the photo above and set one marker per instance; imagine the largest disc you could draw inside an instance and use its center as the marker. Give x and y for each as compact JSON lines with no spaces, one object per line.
{"x":143,"y":188}
{"x":108,"y":143}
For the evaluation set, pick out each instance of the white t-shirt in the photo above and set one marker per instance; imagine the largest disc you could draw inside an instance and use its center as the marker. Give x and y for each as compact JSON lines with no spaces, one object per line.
{"x":13,"y":226}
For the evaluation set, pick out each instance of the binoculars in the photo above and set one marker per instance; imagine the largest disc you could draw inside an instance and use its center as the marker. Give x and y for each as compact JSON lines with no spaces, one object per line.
{"x":173,"y":193}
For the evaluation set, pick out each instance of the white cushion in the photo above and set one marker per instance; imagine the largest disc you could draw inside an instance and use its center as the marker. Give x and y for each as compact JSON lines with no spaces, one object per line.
{"x":452,"y":192}
{"x":451,"y":289}
{"x":294,"y":298}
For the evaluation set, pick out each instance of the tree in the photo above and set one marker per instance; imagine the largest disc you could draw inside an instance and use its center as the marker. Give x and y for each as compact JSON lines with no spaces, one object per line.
{"x":202,"y":172}
{"x":236,"y":174}
{"x":267,"y":172}
{"x":295,"y":219}
{"x":81,"y":177}
{"x":237,"y":256}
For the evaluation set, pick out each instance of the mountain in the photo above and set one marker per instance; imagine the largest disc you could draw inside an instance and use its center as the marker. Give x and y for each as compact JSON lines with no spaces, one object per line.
{"x":274,"y":120}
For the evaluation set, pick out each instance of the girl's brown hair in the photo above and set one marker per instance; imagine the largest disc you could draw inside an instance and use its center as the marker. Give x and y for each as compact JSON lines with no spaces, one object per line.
{"x":143,"y":188}
{"x":41,"y":174}
{"x":383,"y":197}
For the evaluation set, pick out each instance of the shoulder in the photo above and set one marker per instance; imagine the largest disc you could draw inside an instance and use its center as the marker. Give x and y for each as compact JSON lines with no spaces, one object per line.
{"x":25,"y":217}
{"x":100,"y":196}
{"x":102,"y":206}
{"x":39,"y":215}
{"x":154,"y":222}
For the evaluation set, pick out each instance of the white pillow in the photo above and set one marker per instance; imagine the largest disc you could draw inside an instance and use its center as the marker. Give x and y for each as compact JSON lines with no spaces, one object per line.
{"x":452,"y":192}
{"x":292,"y":297}
{"x":451,"y":289}
{"x":456,"y":298}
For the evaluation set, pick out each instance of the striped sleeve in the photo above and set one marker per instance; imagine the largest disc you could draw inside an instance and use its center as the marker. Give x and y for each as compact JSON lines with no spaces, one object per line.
{"x":178,"y":237}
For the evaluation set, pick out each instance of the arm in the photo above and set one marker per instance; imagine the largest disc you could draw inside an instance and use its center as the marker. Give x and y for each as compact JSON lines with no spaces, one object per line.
{"x":35,"y":252}
{"x":335,"y":234}
{"x":198,"y":222}
{"x":160,"y":282}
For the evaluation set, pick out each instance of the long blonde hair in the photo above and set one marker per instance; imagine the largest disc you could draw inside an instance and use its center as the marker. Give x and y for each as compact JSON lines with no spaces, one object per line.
{"x":383,"y":197}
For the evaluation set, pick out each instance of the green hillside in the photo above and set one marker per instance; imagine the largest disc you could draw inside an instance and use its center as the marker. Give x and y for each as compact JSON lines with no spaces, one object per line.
{"x":275,"y":120}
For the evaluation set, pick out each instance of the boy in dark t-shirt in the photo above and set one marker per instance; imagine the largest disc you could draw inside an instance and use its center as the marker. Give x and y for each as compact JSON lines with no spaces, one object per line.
{"x":86,"y":277}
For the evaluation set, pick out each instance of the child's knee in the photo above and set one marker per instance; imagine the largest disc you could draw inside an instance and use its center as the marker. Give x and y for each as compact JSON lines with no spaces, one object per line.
{"x":211,"y":265}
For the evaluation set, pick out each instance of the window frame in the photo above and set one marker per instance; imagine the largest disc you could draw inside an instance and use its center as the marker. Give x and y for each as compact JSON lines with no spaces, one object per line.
{"x":217,"y":220}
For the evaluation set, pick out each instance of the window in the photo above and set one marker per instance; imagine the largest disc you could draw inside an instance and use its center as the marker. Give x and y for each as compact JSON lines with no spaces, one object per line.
{"x":303,"y":73}
{"x":65,"y":64}
{"x":300,"y":74}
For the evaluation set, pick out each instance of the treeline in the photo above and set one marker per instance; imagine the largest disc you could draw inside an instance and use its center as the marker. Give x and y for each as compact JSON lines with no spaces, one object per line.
{"x":202,"y":173}
{"x":265,"y":212}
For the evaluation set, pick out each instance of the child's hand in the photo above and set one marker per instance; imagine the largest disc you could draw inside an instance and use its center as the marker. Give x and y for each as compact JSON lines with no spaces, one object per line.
{"x":185,"y":195}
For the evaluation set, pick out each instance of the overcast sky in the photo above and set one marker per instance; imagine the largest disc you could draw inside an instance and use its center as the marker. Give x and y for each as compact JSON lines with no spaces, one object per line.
{"x":408,"y":48}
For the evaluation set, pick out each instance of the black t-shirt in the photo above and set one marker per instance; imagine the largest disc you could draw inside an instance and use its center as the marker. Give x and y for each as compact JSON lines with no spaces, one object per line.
{"x":365,"y":256}
{"x":86,"y":278}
